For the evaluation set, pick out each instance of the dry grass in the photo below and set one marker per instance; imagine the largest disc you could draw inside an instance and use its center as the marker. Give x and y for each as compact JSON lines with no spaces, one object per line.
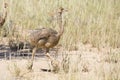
{"x":95,"y":23}
{"x":84,"y":64}
{"x":91,"y":21}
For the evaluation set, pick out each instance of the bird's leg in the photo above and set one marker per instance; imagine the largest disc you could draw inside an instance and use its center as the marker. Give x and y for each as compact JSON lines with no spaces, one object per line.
{"x":33,"y":53}
{"x":32,"y":59}
{"x":48,"y":55}
{"x":54,"y":62}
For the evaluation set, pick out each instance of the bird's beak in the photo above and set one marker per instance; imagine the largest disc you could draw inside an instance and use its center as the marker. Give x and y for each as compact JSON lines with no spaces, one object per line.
{"x":65,"y":10}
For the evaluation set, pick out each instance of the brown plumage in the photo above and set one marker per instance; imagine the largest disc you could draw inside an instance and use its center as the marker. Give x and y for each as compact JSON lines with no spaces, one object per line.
{"x":14,"y":46}
{"x":3,"y":18}
{"x":46,"y":38}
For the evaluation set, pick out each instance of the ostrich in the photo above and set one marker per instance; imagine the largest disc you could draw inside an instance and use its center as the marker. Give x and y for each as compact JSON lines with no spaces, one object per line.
{"x":3,"y":18}
{"x":14,"y":46}
{"x":46,"y":38}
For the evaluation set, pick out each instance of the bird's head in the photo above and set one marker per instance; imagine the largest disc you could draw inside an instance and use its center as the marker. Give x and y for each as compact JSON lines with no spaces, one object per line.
{"x":5,"y":5}
{"x":61,"y":9}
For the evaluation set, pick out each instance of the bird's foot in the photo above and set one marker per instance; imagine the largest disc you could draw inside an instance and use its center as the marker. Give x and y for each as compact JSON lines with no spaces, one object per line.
{"x":56,"y":66}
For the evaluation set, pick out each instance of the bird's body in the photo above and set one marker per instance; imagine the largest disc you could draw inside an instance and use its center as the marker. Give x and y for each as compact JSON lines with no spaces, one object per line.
{"x":14,"y":46}
{"x":44,"y":38}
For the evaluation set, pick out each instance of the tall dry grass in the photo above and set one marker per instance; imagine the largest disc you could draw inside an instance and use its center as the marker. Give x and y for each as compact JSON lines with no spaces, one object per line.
{"x":88,"y":21}
{"x":95,"y":22}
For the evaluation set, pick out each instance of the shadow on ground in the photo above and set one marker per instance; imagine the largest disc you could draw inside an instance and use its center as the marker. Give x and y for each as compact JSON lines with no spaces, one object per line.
{"x":6,"y":53}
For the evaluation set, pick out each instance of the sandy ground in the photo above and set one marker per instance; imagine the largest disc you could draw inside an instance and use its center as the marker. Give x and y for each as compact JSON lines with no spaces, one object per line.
{"x":91,"y":65}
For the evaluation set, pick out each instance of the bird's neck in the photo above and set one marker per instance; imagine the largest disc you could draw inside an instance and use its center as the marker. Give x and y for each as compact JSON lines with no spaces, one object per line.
{"x":5,"y":13}
{"x":3,"y":18}
{"x":61,"y":28}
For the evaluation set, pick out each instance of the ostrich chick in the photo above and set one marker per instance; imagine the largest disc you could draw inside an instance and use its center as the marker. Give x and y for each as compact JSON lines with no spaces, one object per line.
{"x":3,"y":18}
{"x":47,"y":38}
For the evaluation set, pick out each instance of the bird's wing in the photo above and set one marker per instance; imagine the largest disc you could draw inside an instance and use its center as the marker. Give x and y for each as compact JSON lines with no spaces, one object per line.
{"x":52,"y":32}
{"x":39,"y":34}
{"x":43,"y":33}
